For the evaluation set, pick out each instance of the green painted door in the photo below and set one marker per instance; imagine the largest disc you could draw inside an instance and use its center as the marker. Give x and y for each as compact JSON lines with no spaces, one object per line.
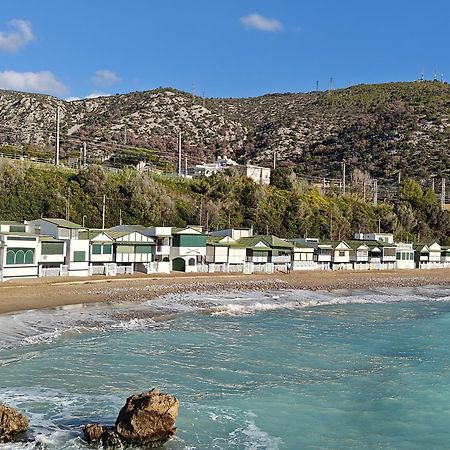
{"x":179,"y":264}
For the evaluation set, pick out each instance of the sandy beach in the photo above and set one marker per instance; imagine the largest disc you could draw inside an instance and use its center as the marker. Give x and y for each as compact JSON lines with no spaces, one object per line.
{"x":19,"y":295}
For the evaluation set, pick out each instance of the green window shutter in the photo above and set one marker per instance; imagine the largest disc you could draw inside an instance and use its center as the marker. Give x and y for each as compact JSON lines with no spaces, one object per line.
{"x":96,"y":249}
{"x":143,"y":248}
{"x":17,"y":228}
{"x":20,"y":257}
{"x":79,"y":256}
{"x":10,"y":257}
{"x":125,"y":249}
{"x":29,"y":257}
{"x":107,"y":249}
{"x":52,"y":248}
{"x":192,"y":240}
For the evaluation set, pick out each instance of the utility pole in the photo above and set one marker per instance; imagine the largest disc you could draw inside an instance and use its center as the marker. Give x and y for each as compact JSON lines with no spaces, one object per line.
{"x":120,"y":216}
{"x":432,"y":184}
{"x":68,"y":204}
{"x":343,"y":179}
{"x":185,"y":166}
{"x":179,"y":154}
{"x":324,"y":187}
{"x":330,"y":85}
{"x":443,"y":193}
{"x":399,"y":177}
{"x":317,"y":85}
{"x":375,"y":192}
{"x":274,"y":159}
{"x":103,"y":212}
{"x":57,"y":137}
{"x":379,"y":225}
{"x":331,"y":224}
{"x":84,"y":154}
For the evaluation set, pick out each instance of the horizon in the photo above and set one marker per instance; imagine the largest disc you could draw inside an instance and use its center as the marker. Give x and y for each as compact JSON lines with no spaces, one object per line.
{"x":170,"y":88}
{"x":236,"y":50}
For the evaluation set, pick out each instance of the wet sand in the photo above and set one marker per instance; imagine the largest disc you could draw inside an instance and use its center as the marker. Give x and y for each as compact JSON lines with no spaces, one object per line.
{"x":19,"y":295}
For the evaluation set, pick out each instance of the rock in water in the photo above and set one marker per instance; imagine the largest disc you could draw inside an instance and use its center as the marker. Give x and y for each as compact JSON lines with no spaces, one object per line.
{"x":148,"y":418}
{"x":12,"y":422}
{"x":93,"y":433}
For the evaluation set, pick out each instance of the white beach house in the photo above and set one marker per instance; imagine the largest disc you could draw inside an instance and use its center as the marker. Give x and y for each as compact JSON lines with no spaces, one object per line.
{"x":18,"y":252}
{"x":77,"y":250}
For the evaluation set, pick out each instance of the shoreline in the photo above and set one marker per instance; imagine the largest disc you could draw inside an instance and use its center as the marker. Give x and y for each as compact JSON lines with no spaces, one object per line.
{"x":22,"y":295}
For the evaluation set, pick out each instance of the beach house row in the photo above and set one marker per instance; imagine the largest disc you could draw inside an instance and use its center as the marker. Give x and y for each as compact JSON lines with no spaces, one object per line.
{"x":57,"y":247}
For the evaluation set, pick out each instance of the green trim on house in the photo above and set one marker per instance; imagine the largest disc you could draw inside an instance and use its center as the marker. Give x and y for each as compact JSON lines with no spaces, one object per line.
{"x":79,"y":256}
{"x":19,"y":256}
{"x":52,"y":248}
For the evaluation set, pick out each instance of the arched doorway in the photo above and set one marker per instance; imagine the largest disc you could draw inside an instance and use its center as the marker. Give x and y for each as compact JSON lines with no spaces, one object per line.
{"x":179,"y":264}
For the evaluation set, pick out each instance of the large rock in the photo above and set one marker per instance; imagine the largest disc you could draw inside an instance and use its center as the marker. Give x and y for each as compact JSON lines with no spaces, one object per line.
{"x":148,"y":418}
{"x":12,"y":422}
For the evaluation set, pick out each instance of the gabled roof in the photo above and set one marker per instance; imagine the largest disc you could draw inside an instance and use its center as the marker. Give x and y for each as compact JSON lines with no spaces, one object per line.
{"x":128,"y":228}
{"x":354,"y":244}
{"x":10,"y":222}
{"x":335,"y":244}
{"x":187,"y":230}
{"x":221,"y":241}
{"x":428,"y":243}
{"x":93,"y":234}
{"x":117,"y":235}
{"x":63,"y":223}
{"x":268,"y":241}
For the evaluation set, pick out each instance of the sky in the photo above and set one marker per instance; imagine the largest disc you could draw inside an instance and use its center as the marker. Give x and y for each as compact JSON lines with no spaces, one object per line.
{"x":228,"y":48}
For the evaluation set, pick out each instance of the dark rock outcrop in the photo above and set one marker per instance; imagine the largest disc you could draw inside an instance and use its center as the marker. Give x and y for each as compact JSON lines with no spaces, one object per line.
{"x":146,"y":420}
{"x":12,"y":422}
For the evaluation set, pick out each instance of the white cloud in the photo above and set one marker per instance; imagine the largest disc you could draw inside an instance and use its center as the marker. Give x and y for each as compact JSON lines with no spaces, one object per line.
{"x":90,"y":96}
{"x":261,"y":23}
{"x":20,"y":35}
{"x":97,"y":94}
{"x":42,"y":82}
{"x":105,"y":78}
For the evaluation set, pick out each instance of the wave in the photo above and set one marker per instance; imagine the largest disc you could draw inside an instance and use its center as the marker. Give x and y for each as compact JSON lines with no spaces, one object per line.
{"x":39,"y":327}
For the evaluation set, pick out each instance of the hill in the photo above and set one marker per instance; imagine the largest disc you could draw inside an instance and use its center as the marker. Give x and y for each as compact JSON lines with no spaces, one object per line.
{"x":380,"y":129}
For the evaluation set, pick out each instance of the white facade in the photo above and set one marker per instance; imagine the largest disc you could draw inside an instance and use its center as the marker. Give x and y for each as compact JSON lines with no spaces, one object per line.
{"x":163,"y":241}
{"x":234,"y":233}
{"x":341,"y":254}
{"x":405,"y":256}
{"x":18,"y":256}
{"x":222,"y":163}
{"x":387,"y":238}
{"x":256,"y":173}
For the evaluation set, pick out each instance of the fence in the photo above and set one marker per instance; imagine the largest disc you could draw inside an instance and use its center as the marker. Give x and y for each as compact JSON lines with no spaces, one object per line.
{"x":50,"y":272}
{"x":125,"y":270}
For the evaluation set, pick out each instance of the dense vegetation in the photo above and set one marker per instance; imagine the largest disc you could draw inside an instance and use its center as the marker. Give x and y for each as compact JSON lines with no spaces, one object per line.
{"x":288,"y":209}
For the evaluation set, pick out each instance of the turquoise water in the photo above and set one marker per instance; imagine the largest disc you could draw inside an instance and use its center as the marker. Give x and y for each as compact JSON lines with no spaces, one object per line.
{"x":275,"y":370}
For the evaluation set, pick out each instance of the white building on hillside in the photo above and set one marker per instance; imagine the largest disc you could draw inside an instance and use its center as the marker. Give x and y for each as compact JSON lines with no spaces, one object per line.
{"x":256,"y":173}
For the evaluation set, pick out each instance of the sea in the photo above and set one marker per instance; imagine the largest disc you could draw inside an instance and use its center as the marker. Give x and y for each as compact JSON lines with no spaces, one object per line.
{"x":288,"y":369}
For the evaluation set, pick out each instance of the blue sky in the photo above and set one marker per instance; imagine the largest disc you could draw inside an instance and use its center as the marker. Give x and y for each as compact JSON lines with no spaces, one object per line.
{"x":229,"y":48}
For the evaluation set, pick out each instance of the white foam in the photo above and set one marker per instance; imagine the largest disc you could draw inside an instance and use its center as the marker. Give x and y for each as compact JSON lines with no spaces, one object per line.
{"x":251,"y":437}
{"x":46,"y":326}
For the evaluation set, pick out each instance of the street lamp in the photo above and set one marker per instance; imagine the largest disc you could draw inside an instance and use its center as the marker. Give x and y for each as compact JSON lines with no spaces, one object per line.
{"x":84,"y":217}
